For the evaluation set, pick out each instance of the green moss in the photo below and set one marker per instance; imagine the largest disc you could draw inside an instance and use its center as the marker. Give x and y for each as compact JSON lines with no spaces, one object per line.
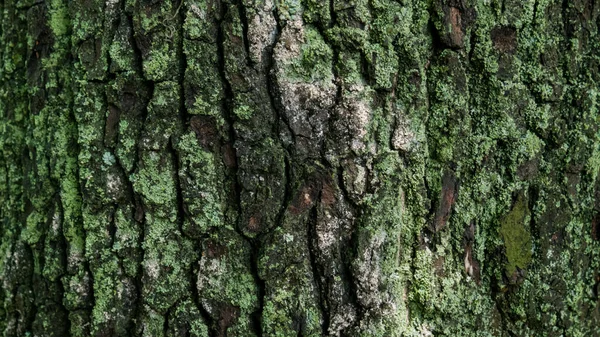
{"x":160,"y":62}
{"x":156,"y":183}
{"x":127,"y":145}
{"x":201,"y":186}
{"x":316,"y":11}
{"x":59,"y":18}
{"x":32,"y":233}
{"x":187,"y":320}
{"x":198,"y":23}
{"x":423,"y":286}
{"x":167,"y":259}
{"x":517,"y":239}
{"x":288,"y":9}
{"x":204,"y":88}
{"x":385,"y":63}
{"x":277,"y":320}
{"x":121,"y":51}
{"x":126,"y":242}
{"x":243,"y":112}
{"x":153,"y":322}
{"x":348,"y":67}
{"x":106,"y":289}
{"x":225,"y":278}
{"x":315,"y":62}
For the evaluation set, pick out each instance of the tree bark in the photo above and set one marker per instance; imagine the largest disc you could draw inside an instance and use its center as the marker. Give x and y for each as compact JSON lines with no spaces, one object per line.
{"x":299,"y":168}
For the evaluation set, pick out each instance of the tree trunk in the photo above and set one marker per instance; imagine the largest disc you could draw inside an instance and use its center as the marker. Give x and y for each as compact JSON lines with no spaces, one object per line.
{"x":299,"y":168}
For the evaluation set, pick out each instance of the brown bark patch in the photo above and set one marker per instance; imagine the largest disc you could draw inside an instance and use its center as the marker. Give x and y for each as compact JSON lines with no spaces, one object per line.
{"x":229,"y":155}
{"x":254,"y":223}
{"x":504,"y":39}
{"x":528,"y":170}
{"x":205,"y":129}
{"x":304,"y":199}
{"x":110,"y":128}
{"x":215,"y":250}
{"x":139,"y":212}
{"x":447,"y":200}
{"x":456,"y":34}
{"x":227,"y":317}
{"x":555,"y":237}
{"x":328,"y":194}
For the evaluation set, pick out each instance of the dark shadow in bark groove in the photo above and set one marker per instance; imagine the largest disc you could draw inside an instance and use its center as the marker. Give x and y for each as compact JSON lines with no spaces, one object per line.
{"x":317,"y":270}
{"x":244,"y":20}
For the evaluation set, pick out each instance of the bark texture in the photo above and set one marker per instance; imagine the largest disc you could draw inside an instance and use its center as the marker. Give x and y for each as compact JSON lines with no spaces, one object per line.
{"x":299,"y":168}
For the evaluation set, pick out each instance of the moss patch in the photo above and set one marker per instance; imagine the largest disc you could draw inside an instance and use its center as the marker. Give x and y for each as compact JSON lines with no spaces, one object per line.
{"x":517,"y":238}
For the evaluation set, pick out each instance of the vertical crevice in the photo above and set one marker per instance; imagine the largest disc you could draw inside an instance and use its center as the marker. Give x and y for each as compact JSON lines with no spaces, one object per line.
{"x":232,"y":139}
{"x":317,"y":270}
{"x":350,"y":254}
{"x":244,"y":20}
{"x":179,"y":193}
{"x":273,"y":91}
{"x":228,"y":100}
{"x":183,"y":113}
{"x":139,"y":207}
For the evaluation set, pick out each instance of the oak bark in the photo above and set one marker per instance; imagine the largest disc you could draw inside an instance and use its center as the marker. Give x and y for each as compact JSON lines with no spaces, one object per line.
{"x":299,"y":168}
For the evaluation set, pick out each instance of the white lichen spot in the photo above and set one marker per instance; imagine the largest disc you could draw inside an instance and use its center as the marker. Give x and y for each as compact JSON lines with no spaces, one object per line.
{"x":354,"y":117}
{"x":111,"y":6}
{"x":262,"y":31}
{"x":326,"y":236}
{"x":55,"y":223}
{"x":369,"y":272}
{"x":108,"y":159}
{"x":208,"y":273}
{"x":403,"y":137}
{"x":288,"y":237}
{"x":113,"y":184}
{"x":424,"y":331}
{"x":198,"y":12}
{"x":152,"y":268}
{"x":343,"y":319}
{"x":75,"y":258}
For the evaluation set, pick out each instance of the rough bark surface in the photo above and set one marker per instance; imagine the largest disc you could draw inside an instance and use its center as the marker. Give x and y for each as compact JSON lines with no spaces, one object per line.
{"x":299,"y":168}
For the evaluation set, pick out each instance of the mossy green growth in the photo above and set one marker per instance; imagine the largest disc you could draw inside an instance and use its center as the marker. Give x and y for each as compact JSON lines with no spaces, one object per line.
{"x":187,"y":320}
{"x":121,"y":51}
{"x":225,"y":278}
{"x":315,"y":62}
{"x":31,"y":233}
{"x":517,"y":238}
{"x":243,"y":112}
{"x":59,"y":20}
{"x":316,"y":11}
{"x":167,"y":259}
{"x":384,"y":62}
{"x":197,"y":23}
{"x":201,"y":186}
{"x":423,"y":286}
{"x":288,"y":9}
{"x":155,"y":182}
{"x":202,"y":79}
